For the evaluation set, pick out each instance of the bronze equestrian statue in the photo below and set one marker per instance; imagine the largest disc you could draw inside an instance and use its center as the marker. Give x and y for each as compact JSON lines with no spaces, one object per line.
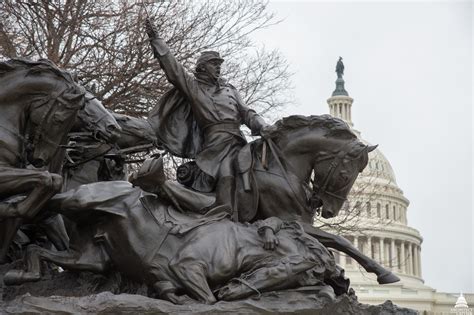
{"x":205,"y":124}
{"x":274,"y":179}
{"x":137,"y":233}
{"x":238,"y":221}
{"x":39,"y":104}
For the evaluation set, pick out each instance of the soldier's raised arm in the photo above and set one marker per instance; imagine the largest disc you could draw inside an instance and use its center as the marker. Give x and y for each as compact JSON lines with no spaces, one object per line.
{"x":174,"y":71}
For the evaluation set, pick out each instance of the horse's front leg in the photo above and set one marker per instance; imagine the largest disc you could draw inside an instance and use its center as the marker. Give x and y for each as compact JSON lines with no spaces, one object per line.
{"x":55,"y":231}
{"x":39,"y":186}
{"x":89,"y":258}
{"x":339,"y":243}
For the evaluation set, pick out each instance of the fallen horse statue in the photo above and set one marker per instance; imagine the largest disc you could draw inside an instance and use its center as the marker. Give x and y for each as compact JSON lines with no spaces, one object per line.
{"x":182,"y":254}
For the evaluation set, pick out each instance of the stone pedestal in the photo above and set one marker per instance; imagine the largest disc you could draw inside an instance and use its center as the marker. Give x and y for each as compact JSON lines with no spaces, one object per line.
{"x":283,"y":302}
{"x":86,"y":293}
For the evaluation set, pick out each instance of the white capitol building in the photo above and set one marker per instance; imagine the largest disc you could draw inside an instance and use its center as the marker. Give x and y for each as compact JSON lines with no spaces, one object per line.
{"x":377,"y":224}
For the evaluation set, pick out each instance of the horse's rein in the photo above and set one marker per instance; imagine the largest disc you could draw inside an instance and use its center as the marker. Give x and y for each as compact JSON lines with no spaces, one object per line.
{"x":39,"y":130}
{"x":337,"y":159}
{"x":277,"y":158}
{"x":54,"y":97}
{"x":29,"y":145}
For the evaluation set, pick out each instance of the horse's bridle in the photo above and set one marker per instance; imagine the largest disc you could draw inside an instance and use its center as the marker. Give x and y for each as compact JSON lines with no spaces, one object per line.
{"x":38,"y":134}
{"x":29,"y":145}
{"x":335,"y":163}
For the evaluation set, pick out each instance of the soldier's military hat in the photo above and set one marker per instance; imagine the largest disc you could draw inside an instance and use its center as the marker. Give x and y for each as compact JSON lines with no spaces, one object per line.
{"x":208,"y":56}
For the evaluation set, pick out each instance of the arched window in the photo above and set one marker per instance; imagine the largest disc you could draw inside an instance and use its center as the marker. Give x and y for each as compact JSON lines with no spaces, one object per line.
{"x":387,"y":212}
{"x":367,"y":208}
{"x":394,"y":213}
{"x":379,"y":215}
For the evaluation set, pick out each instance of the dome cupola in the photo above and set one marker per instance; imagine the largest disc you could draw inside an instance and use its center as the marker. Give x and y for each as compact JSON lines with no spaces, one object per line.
{"x":340,"y":103}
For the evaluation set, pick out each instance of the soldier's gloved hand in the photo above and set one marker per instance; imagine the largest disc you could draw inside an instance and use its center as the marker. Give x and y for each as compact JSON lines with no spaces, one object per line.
{"x":267,"y":130}
{"x":150,"y":28}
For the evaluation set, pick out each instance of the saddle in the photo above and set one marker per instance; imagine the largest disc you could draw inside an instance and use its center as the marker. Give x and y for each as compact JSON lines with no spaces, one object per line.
{"x":151,"y":176}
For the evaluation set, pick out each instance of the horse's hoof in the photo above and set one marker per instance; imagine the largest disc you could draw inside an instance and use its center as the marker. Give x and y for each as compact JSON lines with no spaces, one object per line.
{"x":387,"y":278}
{"x":15,"y":277}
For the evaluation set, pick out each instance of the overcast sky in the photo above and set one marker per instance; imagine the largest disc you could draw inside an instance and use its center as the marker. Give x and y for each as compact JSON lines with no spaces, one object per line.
{"x":408,"y":66}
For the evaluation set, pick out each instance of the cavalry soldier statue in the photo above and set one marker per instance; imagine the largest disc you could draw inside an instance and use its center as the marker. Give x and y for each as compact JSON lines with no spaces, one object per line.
{"x":201,"y":117}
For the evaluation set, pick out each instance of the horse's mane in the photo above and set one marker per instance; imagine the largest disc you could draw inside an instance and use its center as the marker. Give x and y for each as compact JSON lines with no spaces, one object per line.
{"x":331,"y":125}
{"x":34,"y":67}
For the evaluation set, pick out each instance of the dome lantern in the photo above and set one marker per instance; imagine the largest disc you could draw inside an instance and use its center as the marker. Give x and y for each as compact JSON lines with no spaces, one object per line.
{"x":340,"y":103}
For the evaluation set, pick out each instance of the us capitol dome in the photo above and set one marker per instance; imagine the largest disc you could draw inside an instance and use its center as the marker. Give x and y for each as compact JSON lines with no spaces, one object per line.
{"x":375,"y":220}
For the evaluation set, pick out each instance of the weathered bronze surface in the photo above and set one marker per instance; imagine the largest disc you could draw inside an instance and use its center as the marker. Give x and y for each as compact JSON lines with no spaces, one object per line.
{"x":236,"y":222}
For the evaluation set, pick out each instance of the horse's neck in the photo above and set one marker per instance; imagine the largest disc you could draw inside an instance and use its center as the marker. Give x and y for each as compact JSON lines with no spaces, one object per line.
{"x":303,"y":149}
{"x":12,"y":134}
{"x":299,"y":153}
{"x":16,"y":111}
{"x":16,"y":98}
{"x":12,"y":118}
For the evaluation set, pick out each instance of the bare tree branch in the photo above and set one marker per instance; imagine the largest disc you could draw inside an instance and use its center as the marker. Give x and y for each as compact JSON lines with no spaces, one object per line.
{"x":105,"y":43}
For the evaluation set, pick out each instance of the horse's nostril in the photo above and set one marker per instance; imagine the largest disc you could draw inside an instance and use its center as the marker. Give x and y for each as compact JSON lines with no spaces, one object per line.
{"x":38,"y":163}
{"x":327,"y":214}
{"x":111,"y":128}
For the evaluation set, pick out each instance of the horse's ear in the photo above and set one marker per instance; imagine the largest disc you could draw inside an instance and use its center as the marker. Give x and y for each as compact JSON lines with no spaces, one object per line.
{"x":371,"y":148}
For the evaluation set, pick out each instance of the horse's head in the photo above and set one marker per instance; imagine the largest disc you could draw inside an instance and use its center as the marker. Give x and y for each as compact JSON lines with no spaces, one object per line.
{"x":46,"y":99}
{"x":323,"y":146}
{"x":96,"y":118}
{"x":335,"y":173}
{"x":51,"y":118}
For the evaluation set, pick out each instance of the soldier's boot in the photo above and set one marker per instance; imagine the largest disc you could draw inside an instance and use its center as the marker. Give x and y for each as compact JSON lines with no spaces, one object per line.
{"x":225,"y":192}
